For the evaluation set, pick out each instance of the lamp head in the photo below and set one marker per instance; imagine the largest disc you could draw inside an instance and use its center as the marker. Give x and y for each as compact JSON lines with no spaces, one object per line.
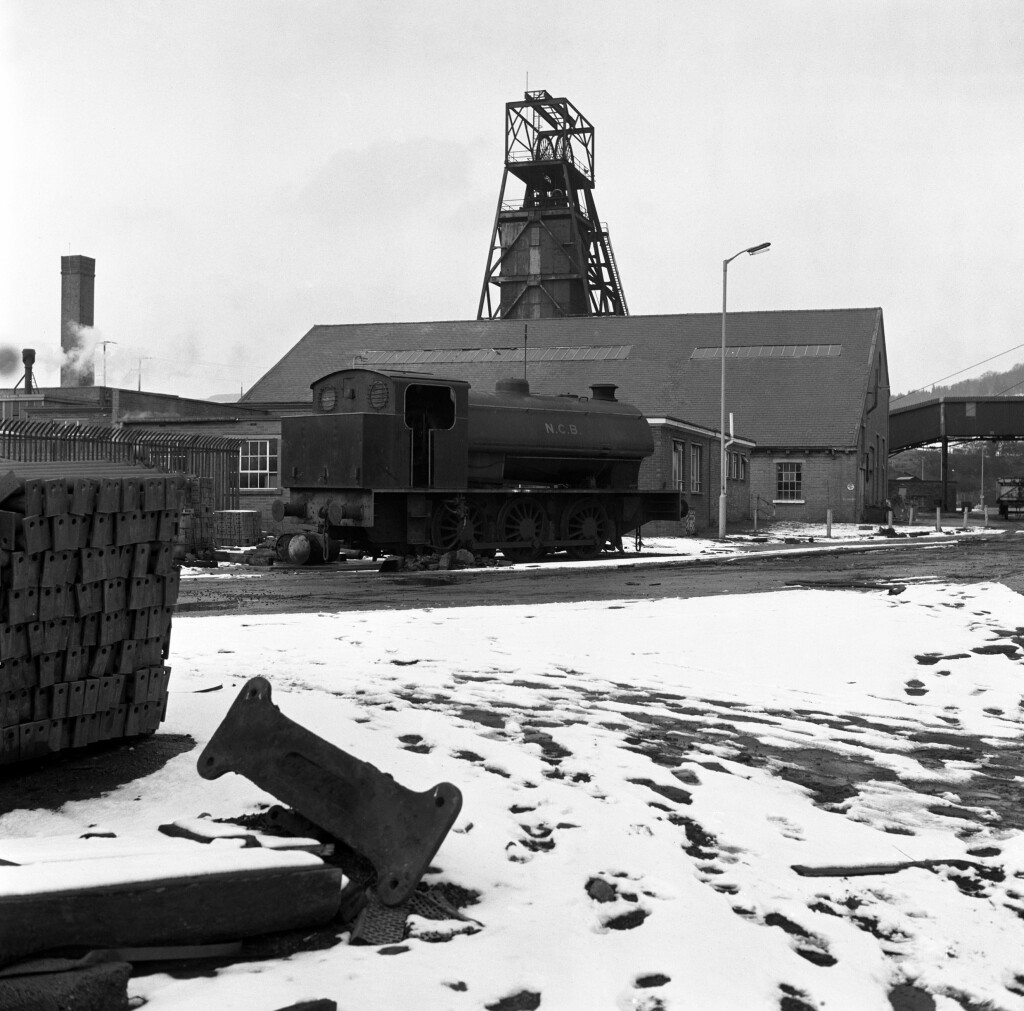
{"x":763,"y":248}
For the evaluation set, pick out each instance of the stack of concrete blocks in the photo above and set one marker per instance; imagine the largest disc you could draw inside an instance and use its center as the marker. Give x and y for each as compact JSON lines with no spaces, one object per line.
{"x":237,"y":527}
{"x":88,"y":586}
{"x":196,"y":525}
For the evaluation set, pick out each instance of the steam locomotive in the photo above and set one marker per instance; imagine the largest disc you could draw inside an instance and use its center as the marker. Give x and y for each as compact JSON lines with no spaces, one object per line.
{"x":399,"y":462}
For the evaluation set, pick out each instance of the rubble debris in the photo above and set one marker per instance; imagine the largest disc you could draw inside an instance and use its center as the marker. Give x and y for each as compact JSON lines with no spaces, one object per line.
{"x":460,"y":558}
{"x":100,"y":987}
{"x":397,"y":830}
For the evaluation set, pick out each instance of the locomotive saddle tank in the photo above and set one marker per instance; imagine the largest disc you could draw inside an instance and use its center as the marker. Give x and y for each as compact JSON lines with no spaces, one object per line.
{"x":398,"y":461}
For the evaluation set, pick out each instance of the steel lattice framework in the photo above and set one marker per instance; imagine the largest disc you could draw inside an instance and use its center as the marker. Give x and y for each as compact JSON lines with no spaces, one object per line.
{"x":550,"y":254}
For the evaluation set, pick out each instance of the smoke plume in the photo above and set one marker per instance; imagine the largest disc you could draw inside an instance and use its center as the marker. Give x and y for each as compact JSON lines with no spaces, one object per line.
{"x":10,"y":359}
{"x":78,"y":360}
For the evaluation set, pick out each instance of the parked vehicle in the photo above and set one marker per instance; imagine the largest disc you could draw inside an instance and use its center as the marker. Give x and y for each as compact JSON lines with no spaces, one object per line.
{"x":1011,"y":496}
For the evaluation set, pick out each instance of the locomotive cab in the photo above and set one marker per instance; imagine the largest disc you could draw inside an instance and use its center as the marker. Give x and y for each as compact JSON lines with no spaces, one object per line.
{"x":376,"y":429}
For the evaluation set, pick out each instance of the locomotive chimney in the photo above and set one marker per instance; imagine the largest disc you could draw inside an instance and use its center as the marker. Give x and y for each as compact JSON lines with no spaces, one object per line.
{"x":77,"y":287}
{"x":28,"y":357}
{"x":603,"y":391}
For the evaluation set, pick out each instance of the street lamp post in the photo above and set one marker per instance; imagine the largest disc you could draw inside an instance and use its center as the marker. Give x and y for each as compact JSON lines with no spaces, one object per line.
{"x":751,"y":250}
{"x":105,"y":343}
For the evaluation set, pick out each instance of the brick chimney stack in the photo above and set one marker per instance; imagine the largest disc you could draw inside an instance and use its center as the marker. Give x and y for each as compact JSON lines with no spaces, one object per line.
{"x":77,"y":286}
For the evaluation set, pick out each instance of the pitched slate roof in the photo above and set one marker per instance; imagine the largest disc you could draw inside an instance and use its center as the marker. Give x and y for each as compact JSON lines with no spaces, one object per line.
{"x":793,"y":378}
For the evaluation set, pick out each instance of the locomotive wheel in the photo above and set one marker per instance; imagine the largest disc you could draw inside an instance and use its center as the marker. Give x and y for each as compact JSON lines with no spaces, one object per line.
{"x":456,"y":525}
{"x":585,"y":524}
{"x":522,"y":519}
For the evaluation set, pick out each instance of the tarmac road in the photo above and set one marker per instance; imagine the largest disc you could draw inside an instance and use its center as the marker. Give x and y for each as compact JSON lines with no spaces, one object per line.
{"x":760,"y":568}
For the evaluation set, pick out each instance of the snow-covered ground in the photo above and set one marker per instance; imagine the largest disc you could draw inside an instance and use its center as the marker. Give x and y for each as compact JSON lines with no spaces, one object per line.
{"x":680,"y":758}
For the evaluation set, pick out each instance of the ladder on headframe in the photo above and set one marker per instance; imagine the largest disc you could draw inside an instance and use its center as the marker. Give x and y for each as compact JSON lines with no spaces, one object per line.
{"x":613,"y":270}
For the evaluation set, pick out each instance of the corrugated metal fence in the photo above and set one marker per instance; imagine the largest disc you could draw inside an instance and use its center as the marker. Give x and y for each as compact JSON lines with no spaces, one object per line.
{"x":209,"y":456}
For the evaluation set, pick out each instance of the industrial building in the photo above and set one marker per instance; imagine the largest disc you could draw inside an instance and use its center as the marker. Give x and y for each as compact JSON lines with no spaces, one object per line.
{"x":808,"y":391}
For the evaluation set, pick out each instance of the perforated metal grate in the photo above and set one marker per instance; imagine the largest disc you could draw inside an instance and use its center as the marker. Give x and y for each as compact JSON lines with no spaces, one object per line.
{"x":378,"y":924}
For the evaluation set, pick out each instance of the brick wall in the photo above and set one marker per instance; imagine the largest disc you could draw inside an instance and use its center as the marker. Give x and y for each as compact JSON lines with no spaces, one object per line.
{"x":826,"y":480}
{"x":656,"y":473}
{"x":263,"y":500}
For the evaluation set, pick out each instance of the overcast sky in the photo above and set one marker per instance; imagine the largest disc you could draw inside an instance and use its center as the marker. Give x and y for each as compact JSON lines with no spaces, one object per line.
{"x":244,"y":169}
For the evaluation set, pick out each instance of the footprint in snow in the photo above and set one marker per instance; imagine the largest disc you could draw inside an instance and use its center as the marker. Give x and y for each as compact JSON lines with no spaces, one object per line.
{"x":626,"y":921}
{"x":789,"y":829}
{"x":794,"y":1000}
{"x":651,"y":979}
{"x":415,"y":743}
{"x":804,"y":943}
{"x":602,"y":890}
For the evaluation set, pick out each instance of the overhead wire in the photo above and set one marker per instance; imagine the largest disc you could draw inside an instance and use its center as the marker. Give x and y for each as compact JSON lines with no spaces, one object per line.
{"x":1008,"y":388}
{"x":984,"y":361}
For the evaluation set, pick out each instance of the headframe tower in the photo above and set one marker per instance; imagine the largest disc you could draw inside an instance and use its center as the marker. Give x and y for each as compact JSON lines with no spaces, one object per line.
{"x":550,"y":254}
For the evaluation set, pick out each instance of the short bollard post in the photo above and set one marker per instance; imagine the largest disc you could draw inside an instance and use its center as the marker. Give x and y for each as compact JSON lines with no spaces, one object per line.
{"x":828,"y":522}
{"x":938,"y":518}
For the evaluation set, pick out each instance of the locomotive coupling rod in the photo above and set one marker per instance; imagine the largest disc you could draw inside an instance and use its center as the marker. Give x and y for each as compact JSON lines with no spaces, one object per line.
{"x":397,"y":830}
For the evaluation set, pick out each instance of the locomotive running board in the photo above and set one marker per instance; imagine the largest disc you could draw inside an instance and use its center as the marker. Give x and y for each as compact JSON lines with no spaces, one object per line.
{"x":397,"y":830}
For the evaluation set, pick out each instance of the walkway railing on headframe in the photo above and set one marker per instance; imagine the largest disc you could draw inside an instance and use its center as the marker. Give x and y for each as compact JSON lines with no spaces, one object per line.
{"x":214,"y":457}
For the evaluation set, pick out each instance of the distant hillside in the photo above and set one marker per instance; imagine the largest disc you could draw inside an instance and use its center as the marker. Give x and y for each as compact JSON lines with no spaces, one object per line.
{"x":988,"y":384}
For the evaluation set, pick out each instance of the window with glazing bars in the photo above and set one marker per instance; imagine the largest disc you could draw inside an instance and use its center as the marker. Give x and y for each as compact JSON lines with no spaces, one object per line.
{"x":678,"y":458}
{"x":257,"y":463}
{"x":696,"y":467}
{"x":737,"y":466}
{"x":789,"y":481}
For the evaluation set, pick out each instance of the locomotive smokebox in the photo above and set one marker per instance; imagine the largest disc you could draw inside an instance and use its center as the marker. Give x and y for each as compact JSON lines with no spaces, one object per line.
{"x":603,"y":391}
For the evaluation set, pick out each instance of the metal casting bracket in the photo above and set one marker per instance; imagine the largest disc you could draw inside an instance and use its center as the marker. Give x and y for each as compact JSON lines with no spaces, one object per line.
{"x":397,"y":830}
